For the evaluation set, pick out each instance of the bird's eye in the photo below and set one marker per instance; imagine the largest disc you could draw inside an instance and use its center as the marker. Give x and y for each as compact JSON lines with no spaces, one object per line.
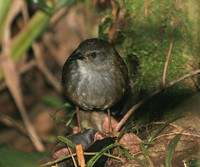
{"x":93,"y":54}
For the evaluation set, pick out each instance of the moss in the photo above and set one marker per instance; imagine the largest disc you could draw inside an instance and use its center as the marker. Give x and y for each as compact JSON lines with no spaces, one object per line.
{"x":146,"y":36}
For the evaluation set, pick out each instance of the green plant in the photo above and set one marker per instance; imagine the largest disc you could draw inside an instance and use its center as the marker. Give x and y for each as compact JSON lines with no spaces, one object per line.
{"x":14,"y":158}
{"x":37,"y":24}
{"x":144,"y":33}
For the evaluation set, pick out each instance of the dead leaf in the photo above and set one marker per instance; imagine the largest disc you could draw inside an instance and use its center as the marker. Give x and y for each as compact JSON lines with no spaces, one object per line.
{"x":131,"y":142}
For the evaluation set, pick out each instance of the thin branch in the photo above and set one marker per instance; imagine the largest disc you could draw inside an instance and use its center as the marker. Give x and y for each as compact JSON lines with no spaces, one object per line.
{"x":73,"y":159}
{"x":85,"y":153}
{"x":167,"y":61}
{"x":22,"y":69}
{"x":176,"y":133}
{"x":133,"y":108}
{"x":182,"y":78}
{"x":43,"y":68}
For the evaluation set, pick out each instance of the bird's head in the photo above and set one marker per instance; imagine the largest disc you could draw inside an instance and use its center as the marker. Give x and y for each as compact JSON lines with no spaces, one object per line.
{"x":93,"y":51}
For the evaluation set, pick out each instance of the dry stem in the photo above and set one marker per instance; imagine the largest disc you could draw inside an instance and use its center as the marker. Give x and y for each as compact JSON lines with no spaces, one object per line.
{"x":167,"y":61}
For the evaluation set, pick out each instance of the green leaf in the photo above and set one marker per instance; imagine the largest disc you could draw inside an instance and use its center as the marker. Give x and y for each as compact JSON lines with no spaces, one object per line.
{"x":171,"y":148}
{"x":42,"y":4}
{"x":141,"y":161}
{"x":4,"y":8}
{"x":62,"y":3}
{"x":13,"y":158}
{"x":124,"y":130}
{"x":122,"y":133}
{"x":155,"y":133}
{"x":24,"y":39}
{"x":69,"y":114}
{"x":66,"y":141}
{"x":104,"y":28}
{"x":195,"y":163}
{"x":92,"y":161}
{"x":57,"y":118}
{"x":126,"y":151}
{"x":52,"y":101}
{"x":15,"y":123}
{"x":144,"y":151}
{"x":147,"y":142}
{"x":65,"y":105}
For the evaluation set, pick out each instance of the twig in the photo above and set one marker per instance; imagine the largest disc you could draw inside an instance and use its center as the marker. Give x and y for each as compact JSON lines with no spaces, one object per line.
{"x":8,"y":121}
{"x":54,"y":3}
{"x":78,"y":119}
{"x":171,"y":124}
{"x":145,"y":10}
{"x":85,"y":153}
{"x":43,"y":68}
{"x":73,"y":159}
{"x":167,"y":60}
{"x":114,"y":9}
{"x":176,"y":133}
{"x":133,"y":108}
{"x":21,"y":70}
{"x":146,"y":5}
{"x":109,"y":120}
{"x":57,"y":16}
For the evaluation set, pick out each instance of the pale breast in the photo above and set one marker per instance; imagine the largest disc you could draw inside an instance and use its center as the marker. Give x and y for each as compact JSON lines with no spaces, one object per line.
{"x":96,"y":89}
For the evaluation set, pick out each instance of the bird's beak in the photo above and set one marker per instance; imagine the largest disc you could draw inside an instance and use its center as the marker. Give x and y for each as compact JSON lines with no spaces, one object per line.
{"x":86,"y":57}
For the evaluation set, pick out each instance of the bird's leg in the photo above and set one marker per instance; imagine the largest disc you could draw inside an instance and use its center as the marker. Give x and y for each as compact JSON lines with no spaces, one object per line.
{"x":109,"y":120}
{"x":78,"y":118}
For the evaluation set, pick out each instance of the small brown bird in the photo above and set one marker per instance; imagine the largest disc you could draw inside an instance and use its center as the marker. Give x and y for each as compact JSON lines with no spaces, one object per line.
{"x":94,"y":76}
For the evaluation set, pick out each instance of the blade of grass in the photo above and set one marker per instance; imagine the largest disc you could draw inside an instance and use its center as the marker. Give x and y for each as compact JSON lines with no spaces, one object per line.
{"x":24,"y":39}
{"x":124,"y":130}
{"x":44,"y":5}
{"x":66,"y":141}
{"x":171,"y":149}
{"x":38,"y":23}
{"x":195,"y":163}
{"x":15,"y":123}
{"x":4,"y":8}
{"x":69,"y":115}
{"x":65,"y":105}
{"x":155,"y":133}
{"x":10,"y":157}
{"x":121,"y":134}
{"x":146,"y":142}
{"x":32,"y":31}
{"x":52,"y":101}
{"x":36,"y":26}
{"x":61,"y":3}
{"x":140,"y":161}
{"x":144,"y":151}
{"x":92,"y":161}
{"x":134,"y":158}
{"x":57,"y":118}
{"x":126,"y":152}
{"x":66,"y":119}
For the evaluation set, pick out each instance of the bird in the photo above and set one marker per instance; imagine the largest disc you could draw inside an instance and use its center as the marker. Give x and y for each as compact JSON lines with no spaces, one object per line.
{"x":95,"y":77}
